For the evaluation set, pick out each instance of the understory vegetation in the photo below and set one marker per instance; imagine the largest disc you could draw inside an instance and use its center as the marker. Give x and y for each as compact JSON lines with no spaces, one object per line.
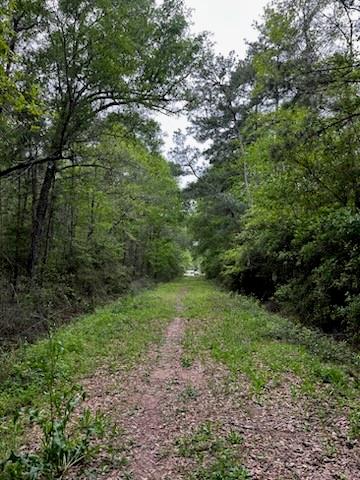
{"x":39,"y":384}
{"x":277,"y":209}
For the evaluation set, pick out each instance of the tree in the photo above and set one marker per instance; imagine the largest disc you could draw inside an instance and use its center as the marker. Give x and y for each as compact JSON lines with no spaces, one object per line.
{"x":87,"y":203}
{"x":87,"y":59}
{"x":283,"y":135}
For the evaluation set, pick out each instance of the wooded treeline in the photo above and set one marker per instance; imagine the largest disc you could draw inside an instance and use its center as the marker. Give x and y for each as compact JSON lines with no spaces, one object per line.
{"x":87,"y":202}
{"x":278,"y":209}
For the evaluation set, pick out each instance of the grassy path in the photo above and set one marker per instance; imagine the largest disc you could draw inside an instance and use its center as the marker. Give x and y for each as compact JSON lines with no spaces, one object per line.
{"x":196,"y":383}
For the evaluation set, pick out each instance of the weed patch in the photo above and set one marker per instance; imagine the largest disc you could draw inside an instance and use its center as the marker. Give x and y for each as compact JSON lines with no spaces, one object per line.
{"x":189,"y":393}
{"x":65,"y":439}
{"x":217,"y":453}
{"x":186,"y":361}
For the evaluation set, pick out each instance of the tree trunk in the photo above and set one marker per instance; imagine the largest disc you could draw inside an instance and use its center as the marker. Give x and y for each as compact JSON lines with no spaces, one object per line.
{"x":39,"y":222}
{"x":49,"y":229}
{"x":15,"y":273}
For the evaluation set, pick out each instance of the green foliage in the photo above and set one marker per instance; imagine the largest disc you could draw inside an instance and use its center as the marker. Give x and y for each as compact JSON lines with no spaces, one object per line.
{"x":277,"y":212}
{"x":60,"y":448}
{"x":88,"y":204}
{"x":66,"y":435}
{"x":186,"y":361}
{"x":224,"y":468}
{"x":120,"y":222}
{"x":217,"y":452}
{"x":189,"y":393}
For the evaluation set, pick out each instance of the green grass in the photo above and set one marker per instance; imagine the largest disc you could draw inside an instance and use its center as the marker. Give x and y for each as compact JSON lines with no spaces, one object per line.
{"x":115,"y":337}
{"x":216,"y":453}
{"x":189,"y":393}
{"x":268,"y":348}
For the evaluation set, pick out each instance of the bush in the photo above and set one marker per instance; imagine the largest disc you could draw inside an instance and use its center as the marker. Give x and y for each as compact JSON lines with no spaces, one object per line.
{"x":311,"y":268}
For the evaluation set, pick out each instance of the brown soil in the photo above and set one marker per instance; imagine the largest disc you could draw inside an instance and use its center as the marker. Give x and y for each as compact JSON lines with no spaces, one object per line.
{"x":291,"y":438}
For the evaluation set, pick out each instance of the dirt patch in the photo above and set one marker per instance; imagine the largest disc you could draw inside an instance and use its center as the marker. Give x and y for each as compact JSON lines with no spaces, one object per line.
{"x":297,"y":438}
{"x":153,"y":423}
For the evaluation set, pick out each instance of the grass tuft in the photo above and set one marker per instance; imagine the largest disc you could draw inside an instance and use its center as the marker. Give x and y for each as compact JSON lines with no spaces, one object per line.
{"x":216,"y":454}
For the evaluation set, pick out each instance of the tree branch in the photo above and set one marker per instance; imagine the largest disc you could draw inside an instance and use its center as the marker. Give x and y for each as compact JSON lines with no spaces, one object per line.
{"x":25,"y":165}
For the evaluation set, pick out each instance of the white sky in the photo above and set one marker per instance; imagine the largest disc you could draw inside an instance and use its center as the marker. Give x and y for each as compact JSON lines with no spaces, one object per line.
{"x":230,"y":22}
